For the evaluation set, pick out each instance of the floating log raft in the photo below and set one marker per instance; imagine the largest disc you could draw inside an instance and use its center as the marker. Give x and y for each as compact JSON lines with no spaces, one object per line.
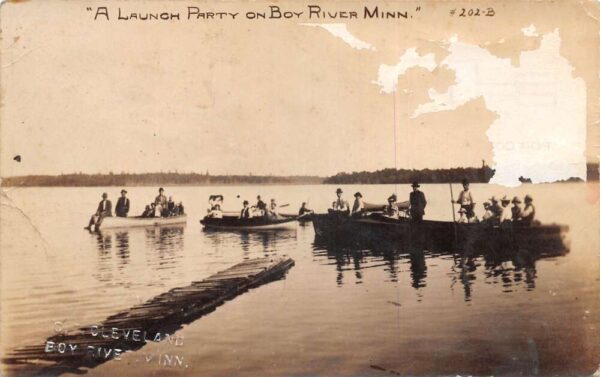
{"x":151,"y":321}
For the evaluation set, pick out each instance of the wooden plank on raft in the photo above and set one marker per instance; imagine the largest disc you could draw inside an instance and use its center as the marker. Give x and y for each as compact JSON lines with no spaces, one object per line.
{"x":164,"y":313}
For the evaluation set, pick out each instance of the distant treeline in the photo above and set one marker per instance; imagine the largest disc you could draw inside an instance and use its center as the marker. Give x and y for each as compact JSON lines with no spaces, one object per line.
{"x":475,"y":175}
{"x":154,"y":179}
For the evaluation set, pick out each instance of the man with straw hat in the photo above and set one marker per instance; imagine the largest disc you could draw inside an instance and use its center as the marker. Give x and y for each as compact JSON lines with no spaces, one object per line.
{"x":391,"y":210}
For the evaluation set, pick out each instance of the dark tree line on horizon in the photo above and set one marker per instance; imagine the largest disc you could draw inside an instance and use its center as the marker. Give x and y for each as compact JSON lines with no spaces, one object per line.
{"x":384,"y":176}
{"x":387,"y":176}
{"x":153,"y":179}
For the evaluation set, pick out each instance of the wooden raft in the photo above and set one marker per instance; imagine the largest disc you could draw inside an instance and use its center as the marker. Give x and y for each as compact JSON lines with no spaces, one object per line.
{"x":164,"y":314}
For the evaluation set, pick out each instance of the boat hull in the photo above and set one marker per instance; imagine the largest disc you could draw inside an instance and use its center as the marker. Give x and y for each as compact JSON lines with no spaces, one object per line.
{"x":139,"y":222}
{"x":439,"y":235}
{"x":252,"y":224}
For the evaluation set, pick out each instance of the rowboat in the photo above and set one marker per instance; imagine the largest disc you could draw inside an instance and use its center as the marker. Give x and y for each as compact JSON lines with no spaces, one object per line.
{"x":253,"y":223}
{"x":138,"y":221}
{"x":438,"y":235}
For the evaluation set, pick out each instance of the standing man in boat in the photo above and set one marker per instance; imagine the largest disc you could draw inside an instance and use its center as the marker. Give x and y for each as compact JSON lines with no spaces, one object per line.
{"x":465,"y":200}
{"x":104,"y":210}
{"x":359,"y":206}
{"x":161,"y":198}
{"x":417,"y":203}
{"x":304,"y":211}
{"x":122,"y":208}
{"x":340,"y":205}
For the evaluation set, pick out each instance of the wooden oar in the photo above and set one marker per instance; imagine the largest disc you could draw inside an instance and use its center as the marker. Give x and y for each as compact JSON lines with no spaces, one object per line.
{"x":453,"y":215}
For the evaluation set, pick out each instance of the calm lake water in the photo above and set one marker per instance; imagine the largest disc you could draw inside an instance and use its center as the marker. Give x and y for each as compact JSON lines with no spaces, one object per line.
{"x":339,"y":311}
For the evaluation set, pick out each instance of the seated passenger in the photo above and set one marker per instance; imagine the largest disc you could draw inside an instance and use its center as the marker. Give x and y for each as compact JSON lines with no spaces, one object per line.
{"x":506,"y":214}
{"x":528,"y":213}
{"x":157,"y":210}
{"x":171,"y":206}
{"x":246,"y":212}
{"x":489,"y":214}
{"x":180,"y":209}
{"x":216,"y":212}
{"x":391,"y":210}
{"x":516,"y":209}
{"x":148,"y":212}
{"x":359,"y":206}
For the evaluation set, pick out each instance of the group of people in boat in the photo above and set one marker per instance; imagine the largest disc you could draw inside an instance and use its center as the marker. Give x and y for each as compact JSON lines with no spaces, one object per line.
{"x":414,"y":207}
{"x":260,"y":209}
{"x":161,"y":207}
{"x":497,"y":211}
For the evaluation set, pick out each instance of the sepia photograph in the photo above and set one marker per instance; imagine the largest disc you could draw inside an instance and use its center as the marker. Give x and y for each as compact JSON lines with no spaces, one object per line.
{"x":353,"y":188}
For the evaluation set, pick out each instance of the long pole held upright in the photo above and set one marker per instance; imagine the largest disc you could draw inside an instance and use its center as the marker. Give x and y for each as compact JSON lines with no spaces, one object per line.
{"x":453,"y":214}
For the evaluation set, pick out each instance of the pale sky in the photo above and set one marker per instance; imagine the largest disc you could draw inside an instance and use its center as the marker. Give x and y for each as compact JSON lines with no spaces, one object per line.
{"x":282,"y":97}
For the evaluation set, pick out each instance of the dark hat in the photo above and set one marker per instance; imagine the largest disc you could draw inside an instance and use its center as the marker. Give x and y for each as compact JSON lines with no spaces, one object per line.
{"x":465,"y":181}
{"x":528,"y":198}
{"x":245,"y":202}
{"x":392,"y":198}
{"x":303,"y":203}
{"x":505,"y":199}
{"x":123,"y":191}
{"x":161,"y":189}
{"x":415,"y":184}
{"x":516,"y":200}
{"x":104,"y":195}
{"x":358,"y":194}
{"x":338,"y":191}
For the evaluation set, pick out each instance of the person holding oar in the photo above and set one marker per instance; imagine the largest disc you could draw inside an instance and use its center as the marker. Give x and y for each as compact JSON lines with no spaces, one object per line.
{"x":465,"y":200}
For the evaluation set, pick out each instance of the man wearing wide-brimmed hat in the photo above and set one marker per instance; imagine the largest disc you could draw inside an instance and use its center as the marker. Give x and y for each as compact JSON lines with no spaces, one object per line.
{"x":417,"y":202}
{"x":122,"y":207}
{"x":340,"y":205}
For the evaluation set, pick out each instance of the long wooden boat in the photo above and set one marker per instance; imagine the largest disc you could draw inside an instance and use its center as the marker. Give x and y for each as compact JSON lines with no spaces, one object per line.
{"x":438,"y":234}
{"x":138,"y":221}
{"x":253,"y":223}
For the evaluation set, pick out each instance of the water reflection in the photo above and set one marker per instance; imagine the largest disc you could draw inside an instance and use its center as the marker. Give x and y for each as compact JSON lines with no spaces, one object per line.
{"x":266,"y":241}
{"x":508,"y":268}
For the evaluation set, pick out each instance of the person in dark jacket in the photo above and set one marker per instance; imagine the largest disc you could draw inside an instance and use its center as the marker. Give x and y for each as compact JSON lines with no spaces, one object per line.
{"x":417,"y":203}
{"x":104,"y":210}
{"x":245,"y":213}
{"x":122,"y":208}
{"x":171,"y":206}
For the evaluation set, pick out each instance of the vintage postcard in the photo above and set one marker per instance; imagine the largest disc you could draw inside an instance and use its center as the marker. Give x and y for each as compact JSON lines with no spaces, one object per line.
{"x":299,"y":188}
